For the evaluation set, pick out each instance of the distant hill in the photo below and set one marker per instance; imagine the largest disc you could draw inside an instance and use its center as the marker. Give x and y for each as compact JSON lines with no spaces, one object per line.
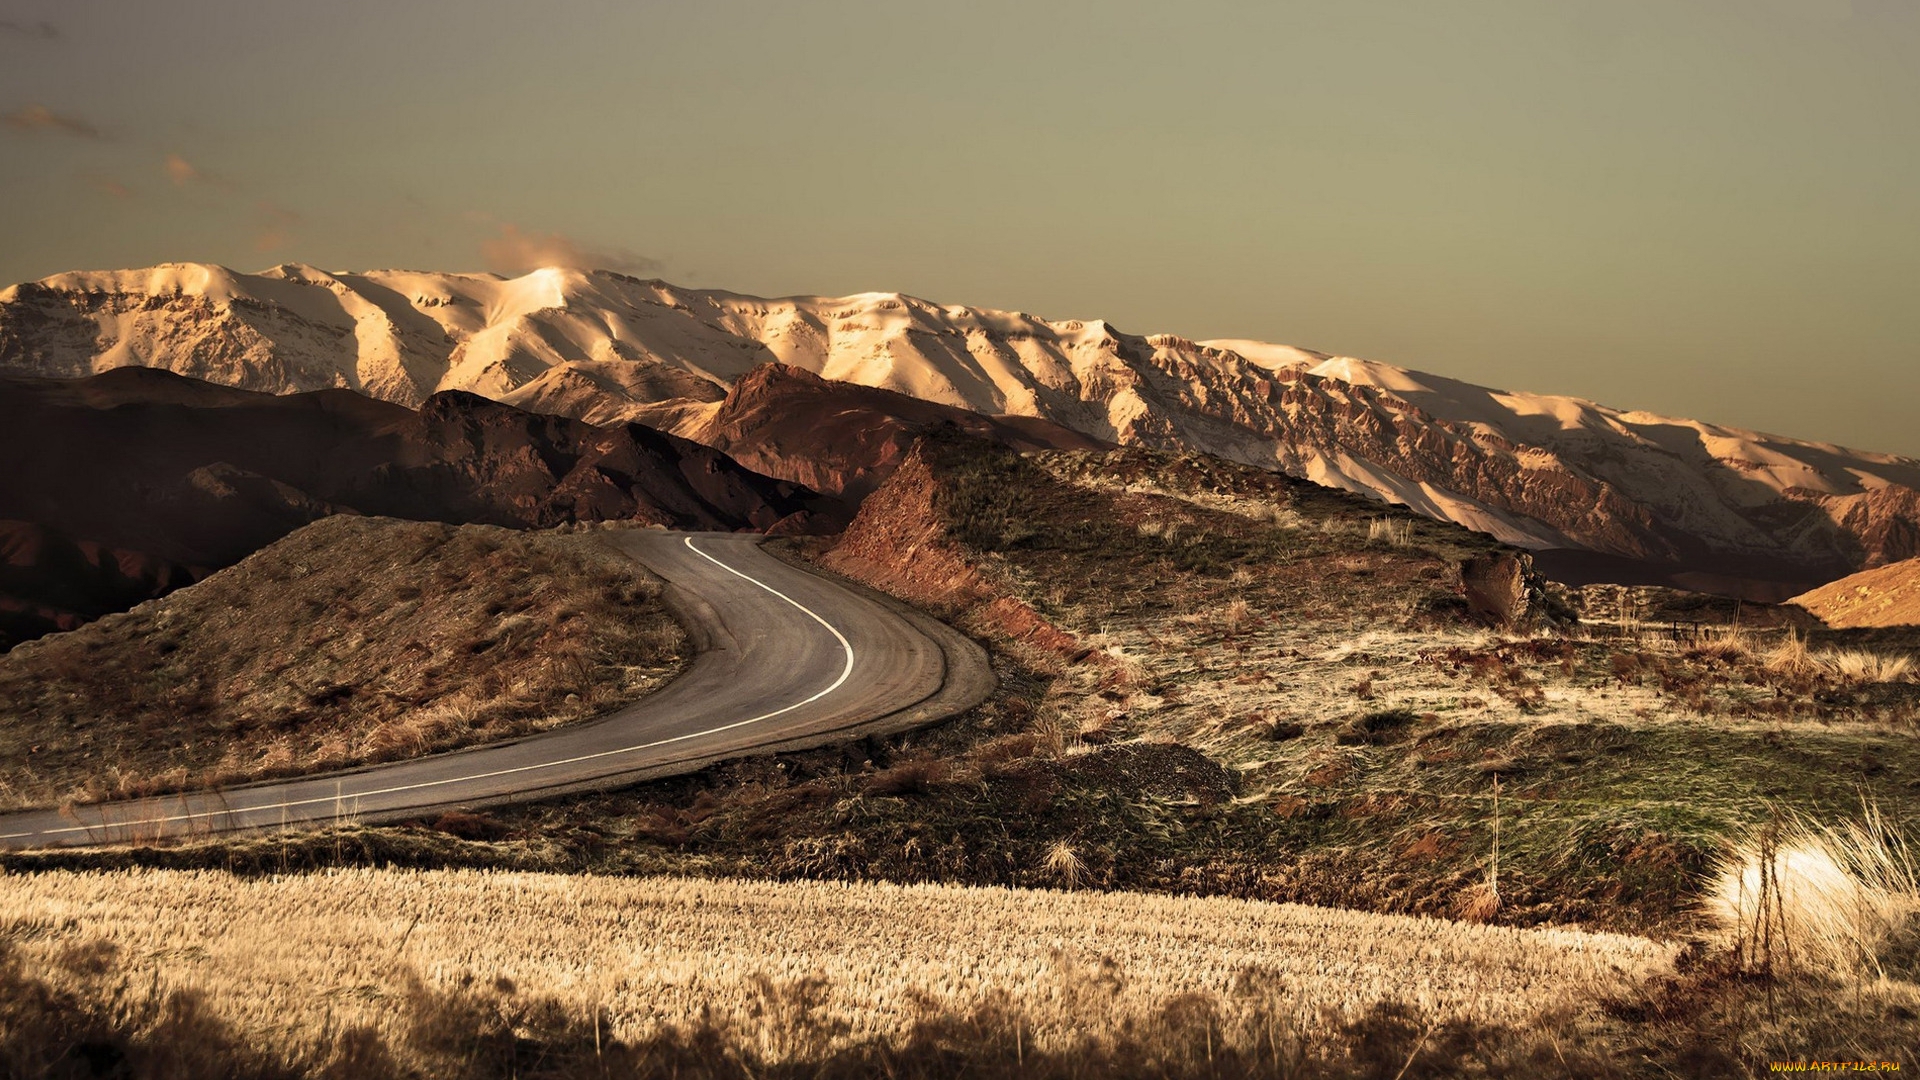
{"x":844,"y":439}
{"x":1883,"y":596}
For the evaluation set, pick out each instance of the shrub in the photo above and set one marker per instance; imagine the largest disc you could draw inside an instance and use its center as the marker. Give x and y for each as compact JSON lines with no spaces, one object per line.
{"x":1376,"y":728}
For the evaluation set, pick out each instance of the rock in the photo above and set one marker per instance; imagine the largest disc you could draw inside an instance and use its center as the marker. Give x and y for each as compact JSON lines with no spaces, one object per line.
{"x":1496,"y":587}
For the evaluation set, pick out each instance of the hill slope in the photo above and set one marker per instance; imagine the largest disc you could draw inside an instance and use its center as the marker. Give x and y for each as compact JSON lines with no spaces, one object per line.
{"x":1883,"y":596}
{"x":1667,"y":495}
{"x":353,"y":640}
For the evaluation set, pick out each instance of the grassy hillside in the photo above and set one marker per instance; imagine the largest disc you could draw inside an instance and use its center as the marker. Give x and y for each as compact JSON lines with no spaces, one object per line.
{"x":353,"y":640}
{"x":1224,"y":682}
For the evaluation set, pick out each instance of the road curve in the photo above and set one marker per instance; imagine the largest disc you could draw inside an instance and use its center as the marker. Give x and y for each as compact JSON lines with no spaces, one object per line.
{"x":786,"y":658}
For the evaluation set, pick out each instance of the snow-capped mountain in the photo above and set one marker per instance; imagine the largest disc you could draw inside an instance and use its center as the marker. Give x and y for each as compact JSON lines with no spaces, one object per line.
{"x":1540,"y":471}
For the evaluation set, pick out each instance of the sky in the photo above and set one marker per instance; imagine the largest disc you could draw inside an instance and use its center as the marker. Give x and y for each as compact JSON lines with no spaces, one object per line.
{"x":1707,"y":208}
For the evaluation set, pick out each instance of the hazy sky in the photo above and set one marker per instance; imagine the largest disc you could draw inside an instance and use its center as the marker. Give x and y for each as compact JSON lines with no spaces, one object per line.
{"x":1703,"y":207}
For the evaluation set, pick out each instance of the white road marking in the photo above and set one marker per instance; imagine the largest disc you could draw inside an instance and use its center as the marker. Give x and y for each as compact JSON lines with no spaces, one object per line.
{"x":208,"y":815}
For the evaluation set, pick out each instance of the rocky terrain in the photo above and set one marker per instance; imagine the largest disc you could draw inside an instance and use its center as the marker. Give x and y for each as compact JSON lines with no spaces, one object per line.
{"x":124,"y":485}
{"x":1627,"y":496}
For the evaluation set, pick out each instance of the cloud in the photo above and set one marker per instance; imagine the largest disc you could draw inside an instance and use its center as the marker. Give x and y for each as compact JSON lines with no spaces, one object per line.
{"x":41,"y":118}
{"x":113,"y":187}
{"x":45,"y":31}
{"x":513,"y":250}
{"x":273,"y":226}
{"x":181,"y":171}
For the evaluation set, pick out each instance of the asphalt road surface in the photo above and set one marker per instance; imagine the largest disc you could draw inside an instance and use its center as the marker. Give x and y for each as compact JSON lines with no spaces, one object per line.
{"x":785,"y":659}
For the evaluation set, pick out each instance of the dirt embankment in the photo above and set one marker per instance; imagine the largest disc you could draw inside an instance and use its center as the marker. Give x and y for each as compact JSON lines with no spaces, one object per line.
{"x":901,"y":542}
{"x":354,"y":640}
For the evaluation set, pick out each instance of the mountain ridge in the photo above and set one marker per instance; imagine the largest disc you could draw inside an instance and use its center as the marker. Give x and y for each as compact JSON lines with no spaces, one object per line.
{"x":1541,"y":471}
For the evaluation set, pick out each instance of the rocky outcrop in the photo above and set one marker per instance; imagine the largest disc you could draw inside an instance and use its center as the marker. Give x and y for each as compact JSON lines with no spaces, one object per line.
{"x":1495,"y":586}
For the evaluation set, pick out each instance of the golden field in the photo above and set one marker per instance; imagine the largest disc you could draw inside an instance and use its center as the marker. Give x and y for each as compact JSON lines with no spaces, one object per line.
{"x":792,"y":968}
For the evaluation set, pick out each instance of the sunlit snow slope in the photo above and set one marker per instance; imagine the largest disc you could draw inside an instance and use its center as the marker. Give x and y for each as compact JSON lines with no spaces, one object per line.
{"x":1540,"y":471}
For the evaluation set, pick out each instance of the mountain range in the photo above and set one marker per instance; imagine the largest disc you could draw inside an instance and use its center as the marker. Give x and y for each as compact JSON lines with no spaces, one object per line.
{"x":1598,"y":493}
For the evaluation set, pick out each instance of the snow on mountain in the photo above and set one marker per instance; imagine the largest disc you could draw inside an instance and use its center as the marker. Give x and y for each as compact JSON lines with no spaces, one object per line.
{"x":1536,"y":470}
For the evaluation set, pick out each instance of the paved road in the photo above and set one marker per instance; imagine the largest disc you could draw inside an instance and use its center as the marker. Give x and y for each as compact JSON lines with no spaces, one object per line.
{"x":786,"y":659}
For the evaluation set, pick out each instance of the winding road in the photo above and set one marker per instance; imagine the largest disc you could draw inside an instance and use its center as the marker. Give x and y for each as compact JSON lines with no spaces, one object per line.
{"x":785,"y":659}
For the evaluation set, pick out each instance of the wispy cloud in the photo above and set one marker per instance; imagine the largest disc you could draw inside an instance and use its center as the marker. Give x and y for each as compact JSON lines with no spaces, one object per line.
{"x":513,"y":250}
{"x":44,"y":31}
{"x":181,"y":171}
{"x":41,"y":118}
{"x":115,"y":188}
{"x":273,"y":226}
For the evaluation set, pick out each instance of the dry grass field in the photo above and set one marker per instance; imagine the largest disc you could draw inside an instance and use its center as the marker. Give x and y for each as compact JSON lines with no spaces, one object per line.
{"x":323,"y":965}
{"x":353,"y":640}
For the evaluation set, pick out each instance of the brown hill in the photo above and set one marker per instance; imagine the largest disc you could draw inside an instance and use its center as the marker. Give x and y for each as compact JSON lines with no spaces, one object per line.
{"x":846,"y":439}
{"x":352,"y":640}
{"x":132,"y":482}
{"x":1883,"y":596}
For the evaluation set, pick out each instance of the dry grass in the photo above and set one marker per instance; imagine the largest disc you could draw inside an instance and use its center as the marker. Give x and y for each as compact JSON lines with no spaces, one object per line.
{"x":1394,"y":532}
{"x":353,"y":640}
{"x":1629,"y":747}
{"x":1792,"y":656}
{"x":1805,"y":896}
{"x":1065,"y":864}
{"x":790,"y":970}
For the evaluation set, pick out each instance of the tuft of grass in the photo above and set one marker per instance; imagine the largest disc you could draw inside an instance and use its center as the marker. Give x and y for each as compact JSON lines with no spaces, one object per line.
{"x":1065,"y":864}
{"x":1860,"y":666}
{"x":1393,"y":532}
{"x":1803,"y":896}
{"x":1863,"y":666}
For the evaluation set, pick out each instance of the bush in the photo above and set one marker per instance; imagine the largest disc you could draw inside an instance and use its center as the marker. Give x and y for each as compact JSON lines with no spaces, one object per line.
{"x":1376,"y":728}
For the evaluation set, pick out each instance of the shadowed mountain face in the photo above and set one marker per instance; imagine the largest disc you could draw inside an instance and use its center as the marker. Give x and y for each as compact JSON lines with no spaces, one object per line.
{"x":845,"y":439}
{"x":127,"y":484}
{"x":1654,"y":498}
